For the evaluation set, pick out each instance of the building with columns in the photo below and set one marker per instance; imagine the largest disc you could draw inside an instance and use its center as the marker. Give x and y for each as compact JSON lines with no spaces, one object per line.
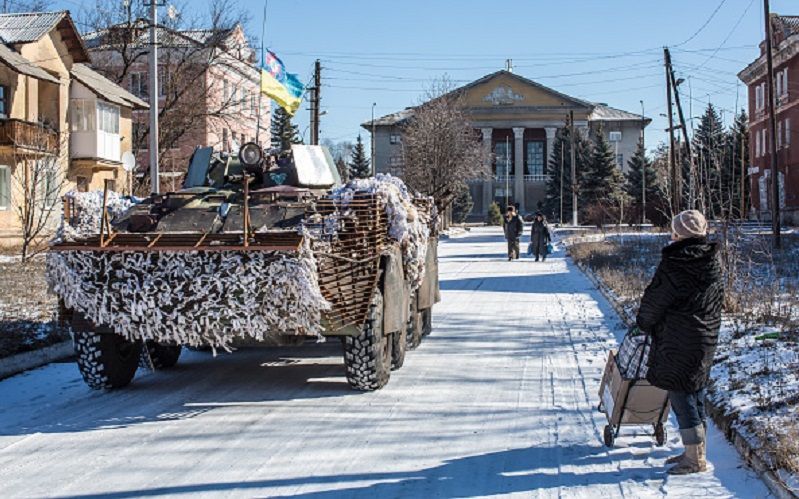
{"x":517,"y":119}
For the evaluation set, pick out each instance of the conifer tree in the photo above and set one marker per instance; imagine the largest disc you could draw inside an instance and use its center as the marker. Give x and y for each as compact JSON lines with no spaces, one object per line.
{"x":284,"y":132}
{"x":708,"y":150}
{"x":343,"y":169}
{"x":359,"y":164}
{"x":638,"y":164}
{"x":562,"y":148}
{"x":602,"y":181}
{"x":737,"y":147}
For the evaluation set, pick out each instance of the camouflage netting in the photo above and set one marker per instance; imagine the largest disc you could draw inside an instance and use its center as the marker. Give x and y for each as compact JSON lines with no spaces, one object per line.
{"x":193,"y":298}
{"x":406,"y":224}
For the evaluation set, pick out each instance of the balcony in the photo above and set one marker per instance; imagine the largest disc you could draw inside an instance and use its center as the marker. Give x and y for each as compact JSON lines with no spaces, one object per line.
{"x":26,"y":135}
{"x":537,"y":178}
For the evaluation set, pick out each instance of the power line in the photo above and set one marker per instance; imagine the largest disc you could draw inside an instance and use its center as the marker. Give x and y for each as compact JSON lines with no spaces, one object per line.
{"x":701,"y":28}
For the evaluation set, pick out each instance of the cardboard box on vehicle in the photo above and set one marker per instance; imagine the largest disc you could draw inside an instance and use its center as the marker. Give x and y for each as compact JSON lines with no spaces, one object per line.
{"x":646,"y":404}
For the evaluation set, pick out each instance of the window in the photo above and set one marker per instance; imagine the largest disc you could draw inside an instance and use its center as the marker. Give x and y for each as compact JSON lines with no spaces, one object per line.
{"x":4,"y":101}
{"x":163,"y":81}
{"x":5,"y":188}
{"x":785,"y":83}
{"x":243,"y":101}
{"x":253,"y":104}
{"x":395,"y":138}
{"x":82,"y":112}
{"x":779,"y":84}
{"x":787,"y":128}
{"x":138,"y":84}
{"x":112,"y":185}
{"x":757,"y":144}
{"x":534,"y":157}
{"x":620,"y":160}
{"x":51,"y":187}
{"x":779,"y":134}
{"x":82,"y":183}
{"x":107,"y":117}
{"x":614,"y":136}
{"x":503,"y":151}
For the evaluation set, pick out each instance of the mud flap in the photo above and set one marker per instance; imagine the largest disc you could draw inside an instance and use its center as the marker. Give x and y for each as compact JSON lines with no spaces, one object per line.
{"x":395,"y":292}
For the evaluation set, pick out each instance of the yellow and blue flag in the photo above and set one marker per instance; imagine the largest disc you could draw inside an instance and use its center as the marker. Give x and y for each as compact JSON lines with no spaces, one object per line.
{"x":282,"y":87}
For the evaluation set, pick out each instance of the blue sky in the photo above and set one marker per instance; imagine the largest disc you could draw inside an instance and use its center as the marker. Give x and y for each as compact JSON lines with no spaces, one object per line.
{"x":604,"y":51}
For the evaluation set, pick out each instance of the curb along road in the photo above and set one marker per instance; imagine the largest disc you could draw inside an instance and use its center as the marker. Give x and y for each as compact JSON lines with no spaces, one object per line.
{"x":15,"y":364}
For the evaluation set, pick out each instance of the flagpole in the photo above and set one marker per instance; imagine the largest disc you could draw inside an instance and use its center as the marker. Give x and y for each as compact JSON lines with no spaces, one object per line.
{"x":260,"y":94}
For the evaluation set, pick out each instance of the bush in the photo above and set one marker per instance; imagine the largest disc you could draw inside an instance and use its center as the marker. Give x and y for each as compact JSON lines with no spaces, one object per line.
{"x":462,"y":205}
{"x":494,"y":216}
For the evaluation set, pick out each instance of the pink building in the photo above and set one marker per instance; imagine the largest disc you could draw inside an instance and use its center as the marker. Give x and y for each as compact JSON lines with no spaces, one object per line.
{"x":208,"y":91}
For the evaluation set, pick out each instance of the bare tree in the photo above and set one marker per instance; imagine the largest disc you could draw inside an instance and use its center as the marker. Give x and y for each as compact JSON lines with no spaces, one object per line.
{"x":38,"y":180}
{"x":195,"y":55}
{"x":441,"y":149}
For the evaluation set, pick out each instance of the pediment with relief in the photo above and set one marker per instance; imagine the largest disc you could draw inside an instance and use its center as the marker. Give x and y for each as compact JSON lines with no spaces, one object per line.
{"x":503,"y":95}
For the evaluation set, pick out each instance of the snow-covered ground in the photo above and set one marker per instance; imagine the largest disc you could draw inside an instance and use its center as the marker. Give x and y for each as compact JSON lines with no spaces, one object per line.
{"x":499,"y":400}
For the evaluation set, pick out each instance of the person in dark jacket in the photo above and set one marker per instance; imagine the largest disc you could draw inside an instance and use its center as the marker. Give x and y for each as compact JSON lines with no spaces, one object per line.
{"x":514,"y":228}
{"x":681,"y":310}
{"x":539,"y":237}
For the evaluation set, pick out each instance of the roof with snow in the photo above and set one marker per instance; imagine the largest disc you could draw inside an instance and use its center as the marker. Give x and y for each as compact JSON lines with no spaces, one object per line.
{"x":603,"y":112}
{"x":105,"y":88}
{"x":788,"y":24}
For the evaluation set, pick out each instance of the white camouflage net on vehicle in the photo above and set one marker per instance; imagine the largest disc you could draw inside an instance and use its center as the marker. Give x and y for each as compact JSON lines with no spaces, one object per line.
{"x":406,"y":224}
{"x":88,"y":207}
{"x":192,"y":298}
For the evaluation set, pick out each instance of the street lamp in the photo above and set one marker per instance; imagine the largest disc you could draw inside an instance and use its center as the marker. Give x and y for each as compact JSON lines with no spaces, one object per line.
{"x":643,"y":167}
{"x":374,"y":168}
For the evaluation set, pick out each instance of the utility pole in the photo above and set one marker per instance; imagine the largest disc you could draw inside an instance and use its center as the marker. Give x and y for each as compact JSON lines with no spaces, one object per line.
{"x":643,"y":167}
{"x":374,"y":168}
{"x":562,"y":153}
{"x":574,"y":168}
{"x":153,"y":68}
{"x":688,"y":155}
{"x":772,"y":135}
{"x":507,"y":173}
{"x":675,"y":179}
{"x":315,"y":98}
{"x":742,"y":213}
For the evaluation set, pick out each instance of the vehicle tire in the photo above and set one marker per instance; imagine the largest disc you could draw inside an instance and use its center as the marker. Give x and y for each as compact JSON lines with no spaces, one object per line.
{"x":427,"y":321}
{"x":414,"y":326}
{"x":660,"y":434}
{"x":609,"y":436}
{"x":399,"y":345}
{"x":367,"y":356}
{"x":163,"y":355}
{"x":105,"y":360}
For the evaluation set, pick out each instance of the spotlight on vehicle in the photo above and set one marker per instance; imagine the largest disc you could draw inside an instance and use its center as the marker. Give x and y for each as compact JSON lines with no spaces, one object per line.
{"x":250,"y":154}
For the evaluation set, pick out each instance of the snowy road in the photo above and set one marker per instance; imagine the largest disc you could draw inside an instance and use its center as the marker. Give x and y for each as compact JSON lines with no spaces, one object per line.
{"x":498,"y":401}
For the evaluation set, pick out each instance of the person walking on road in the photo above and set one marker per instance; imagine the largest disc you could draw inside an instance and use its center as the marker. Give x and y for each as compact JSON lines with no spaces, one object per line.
{"x":539,"y":237}
{"x":681,"y":310}
{"x":514,"y":228}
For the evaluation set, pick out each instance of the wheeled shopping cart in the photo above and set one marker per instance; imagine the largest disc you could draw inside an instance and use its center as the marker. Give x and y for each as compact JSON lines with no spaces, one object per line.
{"x":626,"y":397}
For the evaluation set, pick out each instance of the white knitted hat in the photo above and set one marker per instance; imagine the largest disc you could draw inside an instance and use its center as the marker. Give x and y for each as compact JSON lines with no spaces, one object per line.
{"x":689,"y":223}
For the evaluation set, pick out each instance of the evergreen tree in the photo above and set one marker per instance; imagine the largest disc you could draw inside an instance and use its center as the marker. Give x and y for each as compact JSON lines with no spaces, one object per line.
{"x":359,"y":164}
{"x":636,"y":165}
{"x":602,"y":181}
{"x":734,"y":170}
{"x":708,"y":150}
{"x":462,"y":205}
{"x":284,"y":132}
{"x":494,"y":215}
{"x":562,"y":147}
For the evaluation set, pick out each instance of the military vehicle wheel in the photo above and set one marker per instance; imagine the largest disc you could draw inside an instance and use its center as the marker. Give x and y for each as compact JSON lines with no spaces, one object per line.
{"x":427,"y":321}
{"x":367,"y":356}
{"x":414,"y":326}
{"x":399,"y":345}
{"x":105,"y":360}
{"x":162,"y":355}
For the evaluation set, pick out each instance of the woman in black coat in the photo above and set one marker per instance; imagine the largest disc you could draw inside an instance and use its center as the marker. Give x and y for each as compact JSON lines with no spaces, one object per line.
{"x":681,"y":309}
{"x":539,"y":237}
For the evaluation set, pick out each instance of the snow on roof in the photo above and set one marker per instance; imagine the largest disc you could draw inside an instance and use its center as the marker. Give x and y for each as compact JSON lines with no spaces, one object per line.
{"x":26,"y":27}
{"x":603,"y":112}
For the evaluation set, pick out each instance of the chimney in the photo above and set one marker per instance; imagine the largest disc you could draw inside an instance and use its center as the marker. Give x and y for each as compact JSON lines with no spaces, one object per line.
{"x":509,"y":65}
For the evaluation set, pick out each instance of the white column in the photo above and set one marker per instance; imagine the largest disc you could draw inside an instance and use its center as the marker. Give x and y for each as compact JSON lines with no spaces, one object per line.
{"x":518,"y":164}
{"x":488,"y":184}
{"x":550,"y":130}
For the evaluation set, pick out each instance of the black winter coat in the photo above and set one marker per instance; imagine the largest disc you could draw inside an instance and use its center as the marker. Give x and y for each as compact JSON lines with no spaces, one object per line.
{"x":681,"y":309}
{"x":539,"y":237}
{"x":514,"y":228}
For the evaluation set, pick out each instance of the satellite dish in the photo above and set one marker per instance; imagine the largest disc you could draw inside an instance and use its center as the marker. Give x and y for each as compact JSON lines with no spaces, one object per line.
{"x":128,"y":161}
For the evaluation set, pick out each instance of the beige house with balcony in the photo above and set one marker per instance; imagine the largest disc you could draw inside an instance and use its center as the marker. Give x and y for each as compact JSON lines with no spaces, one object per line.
{"x":517,"y":120}
{"x":42,"y":73}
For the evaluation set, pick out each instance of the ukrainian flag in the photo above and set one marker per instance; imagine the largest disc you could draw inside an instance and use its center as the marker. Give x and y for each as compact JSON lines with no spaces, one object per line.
{"x":282,"y":87}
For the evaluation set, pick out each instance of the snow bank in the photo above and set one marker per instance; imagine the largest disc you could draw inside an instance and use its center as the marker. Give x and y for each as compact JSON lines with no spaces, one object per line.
{"x":406,"y":224}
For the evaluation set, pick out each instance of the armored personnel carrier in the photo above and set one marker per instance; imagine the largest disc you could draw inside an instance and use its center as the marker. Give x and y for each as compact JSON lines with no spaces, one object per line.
{"x":254,"y":250}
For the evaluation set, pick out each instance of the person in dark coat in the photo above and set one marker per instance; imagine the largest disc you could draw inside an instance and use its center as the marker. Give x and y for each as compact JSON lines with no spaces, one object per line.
{"x":539,"y":237}
{"x":681,"y":310}
{"x":514,"y":228}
